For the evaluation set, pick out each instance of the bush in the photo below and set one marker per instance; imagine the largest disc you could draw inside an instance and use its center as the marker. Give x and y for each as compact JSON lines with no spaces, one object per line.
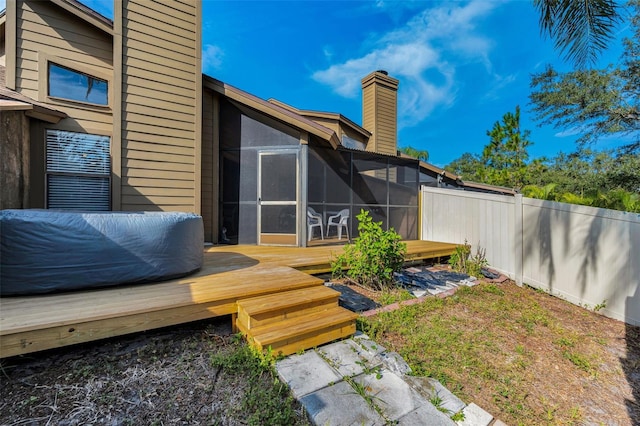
{"x":373,"y":257}
{"x":462,"y":261}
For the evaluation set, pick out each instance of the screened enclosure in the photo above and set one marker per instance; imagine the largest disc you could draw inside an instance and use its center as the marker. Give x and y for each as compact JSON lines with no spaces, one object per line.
{"x":259,"y":179}
{"x":275,"y":190}
{"x":352,"y":180}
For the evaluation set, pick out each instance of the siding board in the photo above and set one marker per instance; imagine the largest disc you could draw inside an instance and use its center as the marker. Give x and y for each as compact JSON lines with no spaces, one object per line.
{"x":152,"y":14}
{"x":176,"y":36}
{"x":157,"y":156}
{"x":166,"y":67}
{"x":161,"y":94}
{"x":157,"y":165}
{"x":162,"y":132}
{"x":164,"y":100}
{"x":158,"y":174}
{"x":136,"y":182}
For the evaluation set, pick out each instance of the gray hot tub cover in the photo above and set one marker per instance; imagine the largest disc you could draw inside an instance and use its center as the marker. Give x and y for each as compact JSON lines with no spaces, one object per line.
{"x":44,"y":251}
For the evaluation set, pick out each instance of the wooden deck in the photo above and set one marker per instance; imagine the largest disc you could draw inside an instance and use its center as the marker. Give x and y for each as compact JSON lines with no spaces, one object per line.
{"x":229,"y":274}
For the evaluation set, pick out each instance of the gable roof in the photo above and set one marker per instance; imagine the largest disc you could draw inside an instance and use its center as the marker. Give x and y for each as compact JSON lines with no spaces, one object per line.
{"x":333,"y":116}
{"x":274,"y":111}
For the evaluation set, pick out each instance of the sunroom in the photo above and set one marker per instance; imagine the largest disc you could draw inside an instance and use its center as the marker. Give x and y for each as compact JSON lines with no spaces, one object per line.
{"x":282,"y":185}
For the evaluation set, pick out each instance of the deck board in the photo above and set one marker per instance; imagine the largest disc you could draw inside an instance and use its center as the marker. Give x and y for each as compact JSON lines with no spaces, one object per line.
{"x":229,"y":273}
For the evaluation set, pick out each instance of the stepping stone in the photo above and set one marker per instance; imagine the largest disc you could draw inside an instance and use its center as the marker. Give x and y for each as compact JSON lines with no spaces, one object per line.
{"x":425,"y":415}
{"x":339,"y":404}
{"x":368,"y":345}
{"x":306,"y":373}
{"x":395,"y":363}
{"x":348,"y":358}
{"x":475,"y":416}
{"x":430,"y":388}
{"x":391,"y":393}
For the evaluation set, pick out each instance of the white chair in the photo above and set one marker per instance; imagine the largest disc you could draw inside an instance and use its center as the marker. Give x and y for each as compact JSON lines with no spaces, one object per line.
{"x":341,"y":220}
{"x":314,"y":220}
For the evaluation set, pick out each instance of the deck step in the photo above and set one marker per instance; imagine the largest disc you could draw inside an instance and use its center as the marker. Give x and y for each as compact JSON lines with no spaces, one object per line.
{"x":260,"y":311}
{"x":304,"y":332}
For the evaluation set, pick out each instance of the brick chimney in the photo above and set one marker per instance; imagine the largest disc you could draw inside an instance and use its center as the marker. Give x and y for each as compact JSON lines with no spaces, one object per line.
{"x":380,"y":111}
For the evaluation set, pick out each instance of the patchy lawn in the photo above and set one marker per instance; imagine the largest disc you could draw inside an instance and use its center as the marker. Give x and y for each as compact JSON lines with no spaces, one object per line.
{"x":526,"y":357}
{"x":189,"y":375}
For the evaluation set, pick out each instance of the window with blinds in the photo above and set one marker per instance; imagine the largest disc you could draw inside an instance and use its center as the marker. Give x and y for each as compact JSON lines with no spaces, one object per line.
{"x":78,"y":171}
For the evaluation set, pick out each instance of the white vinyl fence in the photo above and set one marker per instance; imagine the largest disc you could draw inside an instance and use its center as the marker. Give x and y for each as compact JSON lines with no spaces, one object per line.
{"x":583,"y":254}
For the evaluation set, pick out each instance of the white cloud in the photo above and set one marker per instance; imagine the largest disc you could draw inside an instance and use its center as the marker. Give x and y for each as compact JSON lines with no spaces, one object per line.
{"x":499,"y":83}
{"x":424,"y":54}
{"x":211,"y":57}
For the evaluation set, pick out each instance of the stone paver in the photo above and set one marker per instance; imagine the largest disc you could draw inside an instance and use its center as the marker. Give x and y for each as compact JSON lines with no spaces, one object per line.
{"x":425,"y":415}
{"x":430,"y":388}
{"x":339,"y":405}
{"x":349,"y":358}
{"x":391,"y":393}
{"x":306,"y":373}
{"x":394,"y":362}
{"x":475,"y":416}
{"x":325,"y":380}
{"x":368,"y":345}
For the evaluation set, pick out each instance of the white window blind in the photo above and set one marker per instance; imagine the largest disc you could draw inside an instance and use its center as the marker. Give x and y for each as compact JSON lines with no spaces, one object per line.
{"x":78,"y":171}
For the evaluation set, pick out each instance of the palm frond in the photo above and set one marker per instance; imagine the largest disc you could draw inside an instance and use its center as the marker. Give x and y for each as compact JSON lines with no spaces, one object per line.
{"x":581,"y":29}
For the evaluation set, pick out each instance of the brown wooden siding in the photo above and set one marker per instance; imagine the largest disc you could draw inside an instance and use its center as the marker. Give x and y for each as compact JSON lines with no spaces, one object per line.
{"x":44,"y":29}
{"x":161,"y":92}
{"x":45,"y":32}
{"x":208,"y":154}
{"x":379,"y":112}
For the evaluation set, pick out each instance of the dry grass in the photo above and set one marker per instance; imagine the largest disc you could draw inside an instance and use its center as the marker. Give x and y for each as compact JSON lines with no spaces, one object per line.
{"x":524,"y":356}
{"x":189,"y":375}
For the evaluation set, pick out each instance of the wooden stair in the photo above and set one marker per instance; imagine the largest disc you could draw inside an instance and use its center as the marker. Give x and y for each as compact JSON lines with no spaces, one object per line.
{"x":294,"y":320}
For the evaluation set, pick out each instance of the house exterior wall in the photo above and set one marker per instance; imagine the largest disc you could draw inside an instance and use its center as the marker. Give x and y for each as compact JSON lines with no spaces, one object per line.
{"x":3,"y":50}
{"x":210,"y":161}
{"x":158,"y":128}
{"x":14,"y":167}
{"x":45,"y":33}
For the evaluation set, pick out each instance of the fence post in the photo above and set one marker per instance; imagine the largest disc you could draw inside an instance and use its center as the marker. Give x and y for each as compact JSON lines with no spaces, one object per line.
{"x":518,"y":241}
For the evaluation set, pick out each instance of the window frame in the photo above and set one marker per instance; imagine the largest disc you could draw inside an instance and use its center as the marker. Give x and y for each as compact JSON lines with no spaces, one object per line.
{"x":107,"y":175}
{"x":44,"y":60}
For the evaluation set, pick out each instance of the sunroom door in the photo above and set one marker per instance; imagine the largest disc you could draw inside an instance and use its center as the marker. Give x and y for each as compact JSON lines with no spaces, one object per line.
{"x":278,"y":198}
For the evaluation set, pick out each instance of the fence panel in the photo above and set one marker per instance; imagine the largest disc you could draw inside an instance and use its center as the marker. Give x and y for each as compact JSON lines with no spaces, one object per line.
{"x":484,"y":220}
{"x":583,"y":254}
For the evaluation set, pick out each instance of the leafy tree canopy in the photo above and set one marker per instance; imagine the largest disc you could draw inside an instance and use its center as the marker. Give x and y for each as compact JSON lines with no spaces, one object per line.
{"x":594,"y":103}
{"x":415,"y":153}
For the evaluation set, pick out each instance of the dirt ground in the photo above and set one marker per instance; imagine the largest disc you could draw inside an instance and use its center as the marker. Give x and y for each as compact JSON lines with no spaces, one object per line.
{"x":166,"y":377}
{"x":535,"y":359}
{"x":163,"y":377}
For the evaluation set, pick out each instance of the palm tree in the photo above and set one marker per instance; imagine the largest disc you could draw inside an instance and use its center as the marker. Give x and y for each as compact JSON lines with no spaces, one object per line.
{"x":415,"y":153}
{"x":581,"y":29}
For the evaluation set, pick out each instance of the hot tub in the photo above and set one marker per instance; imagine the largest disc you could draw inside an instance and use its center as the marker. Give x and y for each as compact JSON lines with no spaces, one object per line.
{"x":44,"y":251}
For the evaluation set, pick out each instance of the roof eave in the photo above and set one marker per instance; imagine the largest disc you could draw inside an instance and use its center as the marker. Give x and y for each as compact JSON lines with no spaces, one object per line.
{"x":326,"y":115}
{"x":34,"y":111}
{"x":273,"y":110}
{"x":86,"y":14}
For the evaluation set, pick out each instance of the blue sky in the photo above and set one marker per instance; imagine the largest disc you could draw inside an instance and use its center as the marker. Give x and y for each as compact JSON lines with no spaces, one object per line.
{"x":461,"y":64}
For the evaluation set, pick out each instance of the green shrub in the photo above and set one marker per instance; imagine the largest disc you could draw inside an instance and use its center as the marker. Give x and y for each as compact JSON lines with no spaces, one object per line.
{"x":462,"y":260}
{"x":373,"y":257}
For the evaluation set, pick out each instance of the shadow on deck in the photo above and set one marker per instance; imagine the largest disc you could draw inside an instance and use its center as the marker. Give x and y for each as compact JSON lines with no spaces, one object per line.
{"x":232,"y":277}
